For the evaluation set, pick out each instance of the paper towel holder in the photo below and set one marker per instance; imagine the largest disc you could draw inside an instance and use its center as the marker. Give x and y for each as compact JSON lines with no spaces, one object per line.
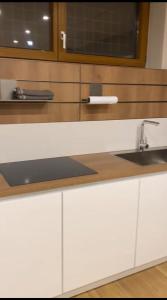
{"x":101,"y":100}
{"x":96,"y":97}
{"x":95,"y":89}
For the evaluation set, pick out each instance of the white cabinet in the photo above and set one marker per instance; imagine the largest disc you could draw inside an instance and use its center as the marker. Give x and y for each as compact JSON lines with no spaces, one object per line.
{"x":99,"y":231}
{"x":30,"y":246}
{"x":96,"y":225}
{"x":152,"y":225}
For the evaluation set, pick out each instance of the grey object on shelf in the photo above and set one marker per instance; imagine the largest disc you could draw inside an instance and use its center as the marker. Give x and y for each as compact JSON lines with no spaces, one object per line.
{"x":31,"y":98}
{"x":37,"y":95}
{"x":6,"y":89}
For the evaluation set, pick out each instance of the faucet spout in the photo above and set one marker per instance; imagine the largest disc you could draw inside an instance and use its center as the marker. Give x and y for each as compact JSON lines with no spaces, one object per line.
{"x":151,"y":122}
{"x":143,"y":140}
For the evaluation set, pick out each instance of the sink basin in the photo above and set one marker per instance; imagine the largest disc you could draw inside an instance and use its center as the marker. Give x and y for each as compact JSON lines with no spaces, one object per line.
{"x":146,"y":158}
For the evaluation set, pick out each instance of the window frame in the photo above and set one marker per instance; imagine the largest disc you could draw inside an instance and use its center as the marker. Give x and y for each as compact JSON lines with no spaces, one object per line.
{"x":37,"y":54}
{"x":109,"y":60}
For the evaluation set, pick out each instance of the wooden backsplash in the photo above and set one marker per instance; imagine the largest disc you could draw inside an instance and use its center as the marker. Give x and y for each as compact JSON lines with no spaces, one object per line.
{"x":142,"y":92}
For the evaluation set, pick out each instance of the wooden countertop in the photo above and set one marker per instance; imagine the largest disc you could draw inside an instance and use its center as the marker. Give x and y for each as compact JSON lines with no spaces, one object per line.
{"x":108,"y":166}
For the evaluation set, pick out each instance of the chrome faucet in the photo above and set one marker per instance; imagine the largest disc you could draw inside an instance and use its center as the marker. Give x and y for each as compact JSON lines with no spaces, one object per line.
{"x":143,"y":144}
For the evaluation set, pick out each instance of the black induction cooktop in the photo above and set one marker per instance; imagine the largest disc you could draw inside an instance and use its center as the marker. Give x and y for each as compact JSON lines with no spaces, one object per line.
{"x":33,"y":171}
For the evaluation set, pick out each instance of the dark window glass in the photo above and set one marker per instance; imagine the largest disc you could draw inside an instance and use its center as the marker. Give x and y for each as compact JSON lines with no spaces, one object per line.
{"x":106,"y":28}
{"x":25,"y":25}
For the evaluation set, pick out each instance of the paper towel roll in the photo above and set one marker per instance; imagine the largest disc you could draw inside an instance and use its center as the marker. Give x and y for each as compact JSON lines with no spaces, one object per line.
{"x":102,"y":100}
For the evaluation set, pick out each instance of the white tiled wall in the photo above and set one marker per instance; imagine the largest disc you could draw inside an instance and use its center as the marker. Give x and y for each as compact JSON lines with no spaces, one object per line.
{"x":32,"y":141}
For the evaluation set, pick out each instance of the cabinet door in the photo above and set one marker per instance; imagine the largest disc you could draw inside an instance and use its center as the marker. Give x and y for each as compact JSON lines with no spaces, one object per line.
{"x":106,"y":33}
{"x":30,"y":246}
{"x":152,"y":226}
{"x":99,"y":232}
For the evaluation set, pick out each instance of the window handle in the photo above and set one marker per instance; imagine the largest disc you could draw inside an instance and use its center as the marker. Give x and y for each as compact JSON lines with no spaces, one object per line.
{"x":63,"y":36}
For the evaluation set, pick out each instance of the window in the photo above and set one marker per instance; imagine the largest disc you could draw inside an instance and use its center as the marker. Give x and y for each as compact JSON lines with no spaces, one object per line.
{"x":92,"y":32}
{"x":28,"y":27}
{"x":103,"y":28}
{"x":25,"y":25}
{"x":104,"y":32}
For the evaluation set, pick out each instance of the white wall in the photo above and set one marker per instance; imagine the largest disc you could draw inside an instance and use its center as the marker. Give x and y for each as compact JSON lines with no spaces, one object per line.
{"x":33,"y":141}
{"x":157,"y":36}
{"x":164,"y":51}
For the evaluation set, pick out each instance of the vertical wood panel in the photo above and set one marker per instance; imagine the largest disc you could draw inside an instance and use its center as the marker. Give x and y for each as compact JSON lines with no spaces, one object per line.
{"x":130,"y":93}
{"x":62,"y":78}
{"x":109,"y":74}
{"x":123,"y":111}
{"x":34,"y":70}
{"x":19,"y":69}
{"x":15,"y":113}
{"x":130,"y":85}
{"x":64,"y":72}
{"x":63,"y":92}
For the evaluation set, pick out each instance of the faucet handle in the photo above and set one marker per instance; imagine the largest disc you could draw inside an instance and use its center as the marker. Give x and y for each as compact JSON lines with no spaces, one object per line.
{"x":146,"y":143}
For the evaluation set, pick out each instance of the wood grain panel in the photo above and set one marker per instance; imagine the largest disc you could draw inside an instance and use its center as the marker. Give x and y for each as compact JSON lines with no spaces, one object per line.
{"x":19,"y":69}
{"x":130,"y":93}
{"x":64,"y":92}
{"x":109,"y":74}
{"x":123,"y":111}
{"x":64,"y":72}
{"x":64,"y":80}
{"x":15,"y":113}
{"x":34,"y":70}
{"x":63,"y":112}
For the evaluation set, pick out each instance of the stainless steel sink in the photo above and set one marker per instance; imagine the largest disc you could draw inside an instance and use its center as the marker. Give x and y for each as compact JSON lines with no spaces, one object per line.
{"x":147,"y":157}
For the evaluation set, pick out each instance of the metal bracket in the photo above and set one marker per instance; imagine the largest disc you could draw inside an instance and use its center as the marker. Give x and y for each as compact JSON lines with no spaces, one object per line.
{"x":95,"y":89}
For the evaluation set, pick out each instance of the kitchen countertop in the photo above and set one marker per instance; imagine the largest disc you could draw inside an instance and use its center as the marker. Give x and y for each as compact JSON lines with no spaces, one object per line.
{"x":108,"y":166}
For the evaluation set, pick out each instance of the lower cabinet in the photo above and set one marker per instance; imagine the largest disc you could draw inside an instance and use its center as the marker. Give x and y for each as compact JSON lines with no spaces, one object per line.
{"x":152,"y":225}
{"x":99,"y":231}
{"x":30,"y":246}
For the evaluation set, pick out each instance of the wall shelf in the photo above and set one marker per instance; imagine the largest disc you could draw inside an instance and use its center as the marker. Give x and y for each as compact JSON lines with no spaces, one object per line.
{"x":26,"y":101}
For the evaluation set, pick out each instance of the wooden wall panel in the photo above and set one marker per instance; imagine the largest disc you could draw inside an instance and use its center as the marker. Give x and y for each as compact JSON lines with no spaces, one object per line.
{"x":64,"y":92}
{"x":123,"y":111}
{"x":130,"y":93}
{"x":70,"y":81}
{"x":19,"y":69}
{"x":63,"y":112}
{"x":62,"y":78}
{"x":33,"y":70}
{"x":142,"y":92}
{"x":15,"y":113}
{"x":124,"y":75}
{"x":64,"y":72}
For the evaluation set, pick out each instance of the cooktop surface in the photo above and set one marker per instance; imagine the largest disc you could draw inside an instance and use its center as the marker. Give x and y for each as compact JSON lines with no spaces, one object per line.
{"x":33,"y":171}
